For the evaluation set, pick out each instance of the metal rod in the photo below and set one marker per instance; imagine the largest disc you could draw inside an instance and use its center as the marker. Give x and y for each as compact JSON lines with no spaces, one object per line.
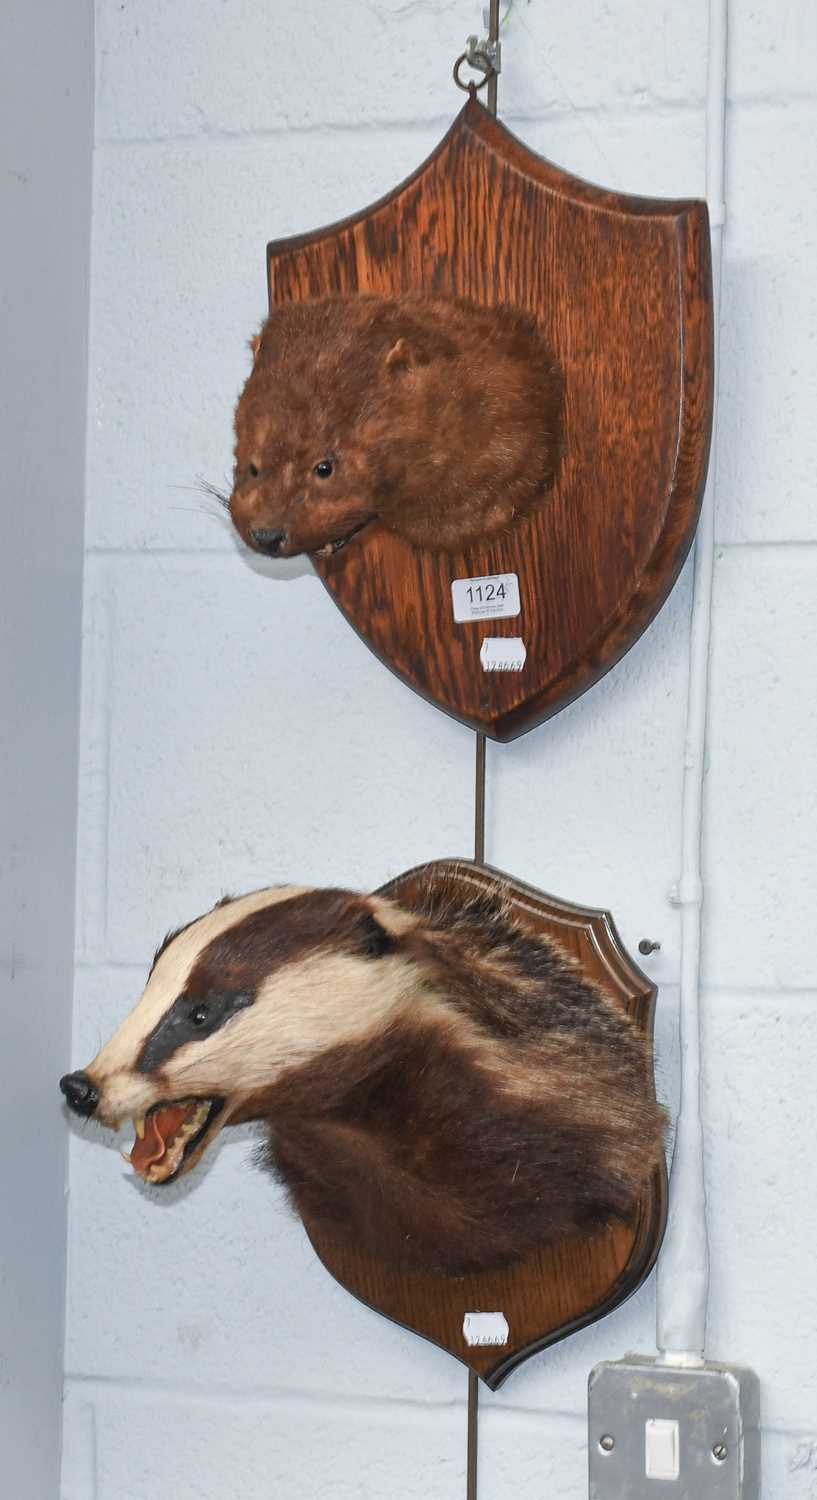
{"x":479,"y":801}
{"x":473,"y":1407}
{"x":493,"y":36}
{"x":479,"y":856}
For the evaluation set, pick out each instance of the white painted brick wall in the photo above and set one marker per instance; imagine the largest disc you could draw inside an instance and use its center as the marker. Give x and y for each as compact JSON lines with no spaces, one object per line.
{"x":235,"y":731}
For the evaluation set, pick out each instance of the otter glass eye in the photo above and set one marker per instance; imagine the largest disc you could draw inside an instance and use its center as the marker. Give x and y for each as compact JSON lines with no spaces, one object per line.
{"x":252,"y":469}
{"x":324,"y":468}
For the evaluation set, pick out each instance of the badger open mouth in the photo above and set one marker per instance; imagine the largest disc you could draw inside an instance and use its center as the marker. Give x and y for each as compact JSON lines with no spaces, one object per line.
{"x":168,"y":1135}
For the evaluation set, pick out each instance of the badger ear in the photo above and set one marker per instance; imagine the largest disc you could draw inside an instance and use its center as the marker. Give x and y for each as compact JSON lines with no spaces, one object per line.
{"x":376,"y":940}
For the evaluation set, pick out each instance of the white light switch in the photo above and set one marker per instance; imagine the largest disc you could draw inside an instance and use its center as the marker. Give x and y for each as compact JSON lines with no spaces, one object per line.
{"x":661,"y":1449}
{"x":653,"y":1431}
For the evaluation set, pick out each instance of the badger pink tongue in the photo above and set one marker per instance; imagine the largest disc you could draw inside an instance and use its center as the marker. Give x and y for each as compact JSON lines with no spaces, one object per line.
{"x":160,"y":1128}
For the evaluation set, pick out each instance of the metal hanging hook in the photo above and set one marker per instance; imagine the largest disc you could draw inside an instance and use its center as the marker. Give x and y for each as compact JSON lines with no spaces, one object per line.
{"x":484,"y":55}
{"x":476,"y":59}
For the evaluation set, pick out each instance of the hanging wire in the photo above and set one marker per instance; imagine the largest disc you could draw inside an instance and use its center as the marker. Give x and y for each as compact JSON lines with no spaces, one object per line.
{"x":473,"y":1434}
{"x":484,"y":59}
{"x":493,"y":38}
{"x":479,"y":801}
{"x":479,"y":856}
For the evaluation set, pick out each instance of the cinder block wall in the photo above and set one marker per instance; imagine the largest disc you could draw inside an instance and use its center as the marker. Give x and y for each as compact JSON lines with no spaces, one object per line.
{"x":235,"y":732}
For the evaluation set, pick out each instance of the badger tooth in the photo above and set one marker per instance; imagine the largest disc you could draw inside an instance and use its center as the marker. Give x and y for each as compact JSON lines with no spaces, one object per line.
{"x":139,"y":1127}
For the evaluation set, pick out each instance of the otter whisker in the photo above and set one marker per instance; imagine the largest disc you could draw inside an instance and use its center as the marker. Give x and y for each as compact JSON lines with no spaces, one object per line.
{"x":204,"y":486}
{"x":198,"y":510}
{"x":210,"y":492}
{"x":207,"y":488}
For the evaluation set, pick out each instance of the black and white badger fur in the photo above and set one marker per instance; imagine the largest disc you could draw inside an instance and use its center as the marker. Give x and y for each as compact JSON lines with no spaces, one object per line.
{"x":440,"y":1088}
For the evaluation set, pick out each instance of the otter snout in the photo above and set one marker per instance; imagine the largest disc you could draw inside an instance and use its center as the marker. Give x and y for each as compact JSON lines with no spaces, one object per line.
{"x":270,"y":541}
{"x":81,"y":1094}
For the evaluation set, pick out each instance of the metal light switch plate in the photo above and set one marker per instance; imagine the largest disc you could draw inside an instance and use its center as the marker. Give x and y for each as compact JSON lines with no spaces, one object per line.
{"x":660,"y":1432}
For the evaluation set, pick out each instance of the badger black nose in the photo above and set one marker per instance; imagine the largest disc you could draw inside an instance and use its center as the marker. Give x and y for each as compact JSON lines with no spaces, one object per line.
{"x":81,"y":1095}
{"x":270,"y":542}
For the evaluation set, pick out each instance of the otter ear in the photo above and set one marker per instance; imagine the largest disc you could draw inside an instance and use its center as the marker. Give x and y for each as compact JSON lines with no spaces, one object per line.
{"x":404,"y":355}
{"x":255,"y":345}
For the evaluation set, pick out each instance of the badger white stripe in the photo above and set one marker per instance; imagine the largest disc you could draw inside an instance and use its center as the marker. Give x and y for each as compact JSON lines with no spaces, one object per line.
{"x":171,"y":973}
{"x":303,"y":1008}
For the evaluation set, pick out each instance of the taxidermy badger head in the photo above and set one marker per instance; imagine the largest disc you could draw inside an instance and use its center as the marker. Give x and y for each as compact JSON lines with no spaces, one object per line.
{"x":440,"y":419}
{"x":438,"y":1086}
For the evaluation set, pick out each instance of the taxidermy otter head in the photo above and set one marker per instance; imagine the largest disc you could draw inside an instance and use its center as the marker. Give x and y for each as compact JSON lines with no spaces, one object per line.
{"x":438,"y":1087}
{"x":439,"y":419}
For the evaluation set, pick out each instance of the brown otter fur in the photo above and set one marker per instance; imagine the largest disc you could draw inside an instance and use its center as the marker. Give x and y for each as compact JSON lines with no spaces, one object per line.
{"x":440,"y":419}
{"x":439,"y":1087}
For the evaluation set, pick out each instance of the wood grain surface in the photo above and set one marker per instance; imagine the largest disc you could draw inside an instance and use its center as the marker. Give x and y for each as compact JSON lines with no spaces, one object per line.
{"x":567,"y":1284}
{"x":622,"y":289}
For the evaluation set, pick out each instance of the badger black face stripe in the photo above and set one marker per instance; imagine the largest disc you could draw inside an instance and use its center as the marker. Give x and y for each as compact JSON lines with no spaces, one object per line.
{"x":190,"y":1019}
{"x":245,"y":954}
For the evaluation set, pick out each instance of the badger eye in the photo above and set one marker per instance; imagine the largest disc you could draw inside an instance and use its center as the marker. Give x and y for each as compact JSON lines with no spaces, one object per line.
{"x":198,"y":1016}
{"x":324,"y":468}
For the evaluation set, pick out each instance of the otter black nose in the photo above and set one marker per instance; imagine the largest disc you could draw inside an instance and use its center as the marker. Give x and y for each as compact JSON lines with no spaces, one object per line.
{"x":270,"y":542}
{"x":81,"y":1095}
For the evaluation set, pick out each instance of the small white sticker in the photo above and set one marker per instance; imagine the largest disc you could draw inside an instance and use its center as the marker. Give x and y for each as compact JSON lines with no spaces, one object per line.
{"x":492,"y":598}
{"x":503,"y":653}
{"x":485,"y":1328}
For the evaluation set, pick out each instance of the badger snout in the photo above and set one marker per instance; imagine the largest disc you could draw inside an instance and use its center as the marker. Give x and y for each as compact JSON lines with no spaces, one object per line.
{"x":81,"y":1094}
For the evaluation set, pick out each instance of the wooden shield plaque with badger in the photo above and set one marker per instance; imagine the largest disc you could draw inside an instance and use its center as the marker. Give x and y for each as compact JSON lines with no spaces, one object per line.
{"x":502,"y":633}
{"x":493,"y":1319}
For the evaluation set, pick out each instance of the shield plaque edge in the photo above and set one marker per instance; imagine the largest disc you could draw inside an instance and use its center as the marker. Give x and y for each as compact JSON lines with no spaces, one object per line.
{"x":615,"y":635}
{"x":363,"y":1277}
